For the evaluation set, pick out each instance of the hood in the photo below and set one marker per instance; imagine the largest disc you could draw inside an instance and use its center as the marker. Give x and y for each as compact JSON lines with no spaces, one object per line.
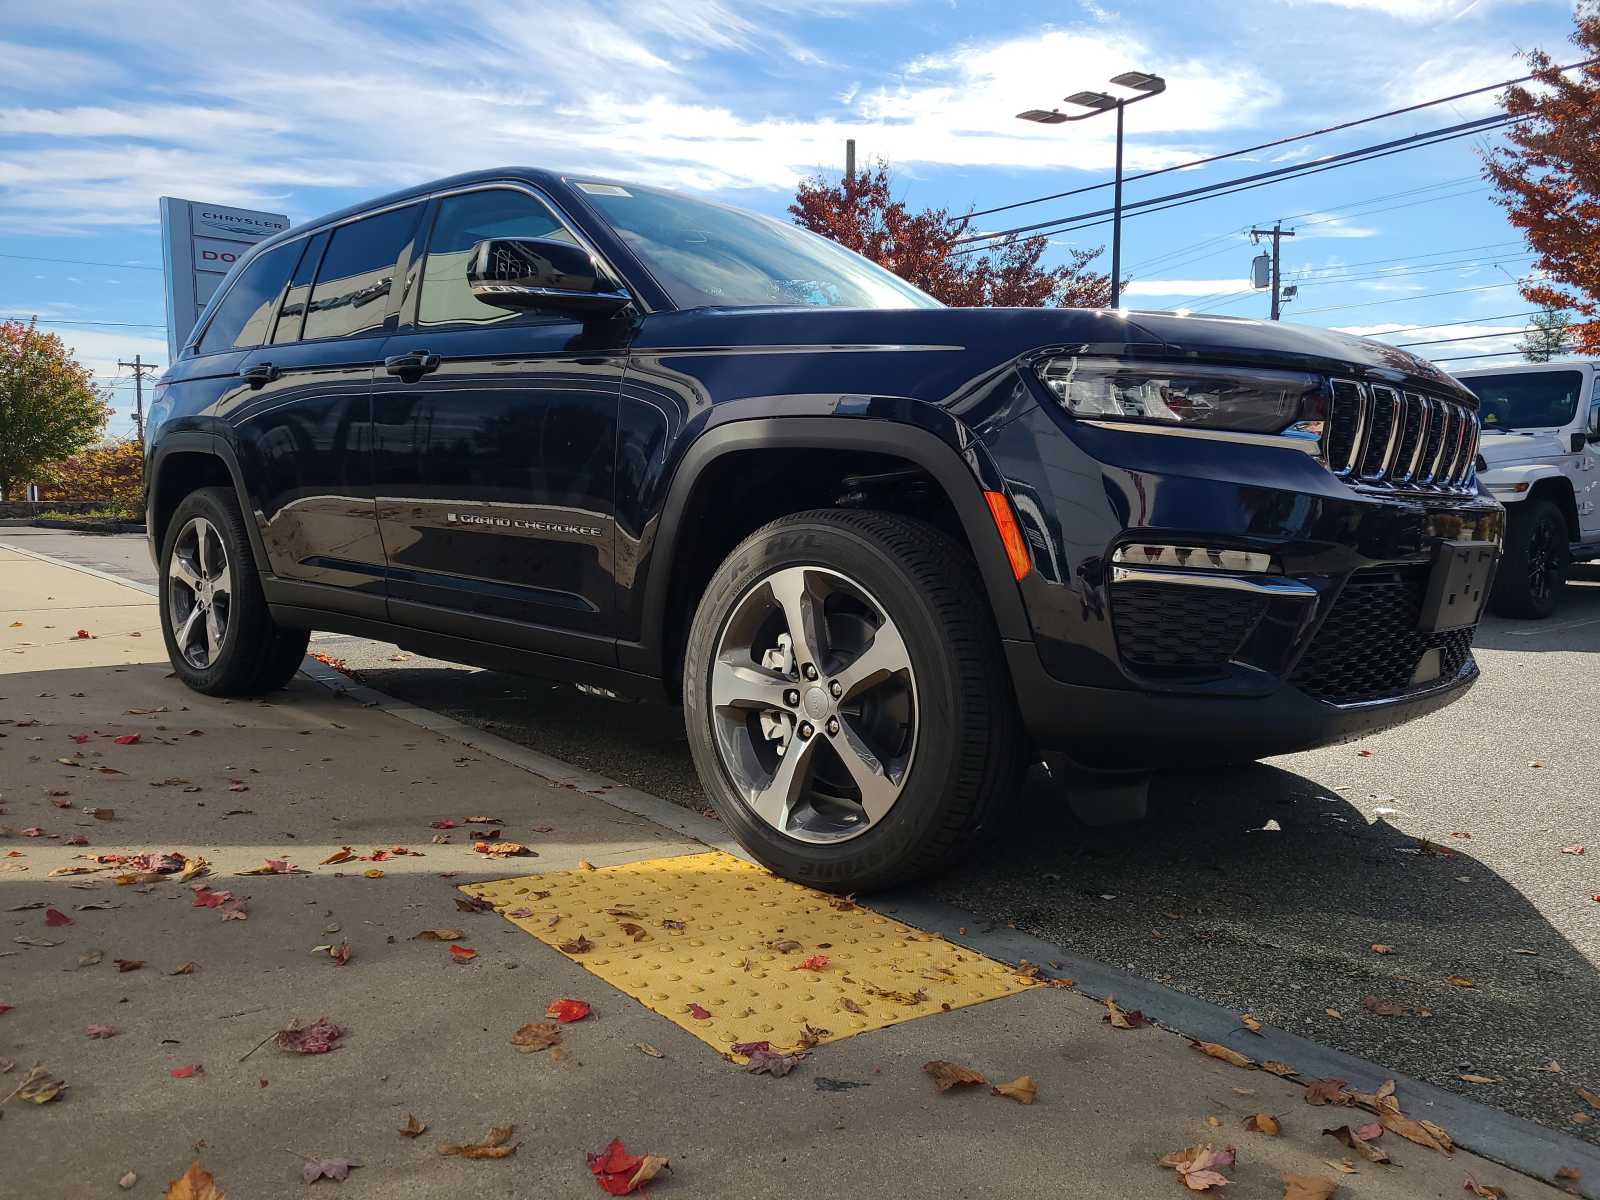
{"x":1503,"y":449}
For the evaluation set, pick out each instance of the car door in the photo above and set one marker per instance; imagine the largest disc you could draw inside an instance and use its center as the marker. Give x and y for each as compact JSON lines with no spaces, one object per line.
{"x":302,"y":420}
{"x":1589,"y":490}
{"x":494,"y":445}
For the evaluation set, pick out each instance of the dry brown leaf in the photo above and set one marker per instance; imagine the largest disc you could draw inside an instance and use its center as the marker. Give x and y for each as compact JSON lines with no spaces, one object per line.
{"x":647,"y":1048}
{"x":1123,"y":1018}
{"x":1224,"y":1053}
{"x":1282,"y":1069}
{"x":634,"y":931}
{"x":1022,"y":1089}
{"x":1308,"y":1187}
{"x":1327,"y":1091}
{"x":1360,"y":1140}
{"x":783,"y":945}
{"x":1380,"y":948}
{"x":1423,"y":1133}
{"x":947,"y":1075}
{"x":1250,"y":1022}
{"x":1476,"y":1079}
{"x":536,"y":1036}
{"x":1483,"y":1190}
{"x":1589,"y":1098}
{"x":412,"y":1128}
{"x":1460,"y":981}
{"x":194,"y":1184}
{"x":439,"y":935}
{"x":1199,"y":1166}
{"x":577,"y":945}
{"x":649,"y":1167}
{"x":493,"y":1145}
{"x":342,"y":855}
{"x":1262,"y":1123}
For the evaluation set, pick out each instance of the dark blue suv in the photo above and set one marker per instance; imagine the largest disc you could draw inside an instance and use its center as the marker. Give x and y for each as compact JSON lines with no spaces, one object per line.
{"x":882,"y":551}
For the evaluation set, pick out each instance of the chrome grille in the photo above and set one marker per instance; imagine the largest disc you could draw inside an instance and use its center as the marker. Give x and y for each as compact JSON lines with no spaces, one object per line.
{"x":1377,"y":434}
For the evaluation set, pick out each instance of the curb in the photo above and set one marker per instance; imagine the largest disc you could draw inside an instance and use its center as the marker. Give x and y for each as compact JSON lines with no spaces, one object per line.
{"x":1511,"y":1141}
{"x":88,"y":526}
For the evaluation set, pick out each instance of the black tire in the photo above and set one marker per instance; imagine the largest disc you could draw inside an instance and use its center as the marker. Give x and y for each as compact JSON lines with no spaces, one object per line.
{"x":255,"y":655}
{"x":1533,"y":567}
{"x":970,"y":749}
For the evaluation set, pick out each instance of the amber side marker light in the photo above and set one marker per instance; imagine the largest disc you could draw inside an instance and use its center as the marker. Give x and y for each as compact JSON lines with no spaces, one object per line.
{"x":1010,"y":533}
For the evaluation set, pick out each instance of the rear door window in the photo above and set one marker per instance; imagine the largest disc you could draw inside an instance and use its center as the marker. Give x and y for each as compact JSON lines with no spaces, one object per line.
{"x":463,"y":222}
{"x":358,"y":272}
{"x":245,"y":314}
{"x":293,"y":313}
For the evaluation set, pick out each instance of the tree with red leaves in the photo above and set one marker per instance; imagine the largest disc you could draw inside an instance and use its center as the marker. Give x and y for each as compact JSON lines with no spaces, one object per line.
{"x":923,"y":248}
{"x":1548,"y":179}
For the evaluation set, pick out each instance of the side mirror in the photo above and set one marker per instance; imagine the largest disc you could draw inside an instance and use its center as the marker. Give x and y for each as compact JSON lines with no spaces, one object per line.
{"x":542,"y":273}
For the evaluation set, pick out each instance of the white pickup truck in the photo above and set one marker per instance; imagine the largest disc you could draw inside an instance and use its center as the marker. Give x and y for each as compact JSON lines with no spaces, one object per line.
{"x":1540,"y":457}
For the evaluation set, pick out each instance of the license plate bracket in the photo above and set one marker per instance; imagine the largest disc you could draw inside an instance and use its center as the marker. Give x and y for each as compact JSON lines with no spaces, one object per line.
{"x":1457,"y":585}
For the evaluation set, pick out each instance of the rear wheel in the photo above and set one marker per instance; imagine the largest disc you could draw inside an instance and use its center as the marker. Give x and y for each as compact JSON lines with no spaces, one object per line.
{"x":220,"y":637}
{"x":846,"y":700}
{"x":1533,"y":568}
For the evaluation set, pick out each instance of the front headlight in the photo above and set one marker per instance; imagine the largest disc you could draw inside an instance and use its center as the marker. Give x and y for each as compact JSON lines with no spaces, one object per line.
{"x":1237,"y":398}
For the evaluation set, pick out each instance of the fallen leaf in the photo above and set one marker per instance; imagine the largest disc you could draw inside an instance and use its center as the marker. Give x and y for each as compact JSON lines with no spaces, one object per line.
{"x":619,"y":1173}
{"x":698,"y":1013}
{"x":850,"y":1005}
{"x":1262,"y":1123}
{"x":128,"y":1180}
{"x":182,"y":969}
{"x":1123,"y":1018}
{"x":577,"y":945}
{"x":1308,"y":1187}
{"x":1382,"y":1008}
{"x":463,"y":954}
{"x":947,"y":1075}
{"x":503,"y":849}
{"x":128,"y":964}
{"x":39,"y":1086}
{"x":1250,"y":1022}
{"x":669,"y":923}
{"x":274,"y":866}
{"x":585,"y":865}
{"x":412,"y":1128}
{"x":186,"y":1072}
{"x":321,"y":1036}
{"x":634,"y":931}
{"x":566,"y":1011}
{"x":1460,"y":981}
{"x":810,"y":1036}
{"x":1592,"y":1099}
{"x":1199,"y":1166}
{"x":127,"y":739}
{"x":196,"y":1183}
{"x":1353,"y":1139}
{"x":536,"y":1036}
{"x":1484,"y":1190}
{"x":439,"y":935}
{"x":1021,"y":1089}
{"x":81,"y":635}
{"x":100,"y":1031}
{"x":1572,"y":849}
{"x":90,"y":958}
{"x":205,"y":897}
{"x":336,"y":1169}
{"x":493,"y":1145}
{"x":55,"y":917}
{"x":1423,"y":1133}
{"x":1224,"y":1053}
{"x":1281,"y":1069}
{"x":783,"y":945}
{"x":765,"y":1062}
{"x":1327,"y":1091}
{"x":339,"y":953}
{"x":816,"y":962}
{"x":1380,"y":948}
{"x":341,"y":855}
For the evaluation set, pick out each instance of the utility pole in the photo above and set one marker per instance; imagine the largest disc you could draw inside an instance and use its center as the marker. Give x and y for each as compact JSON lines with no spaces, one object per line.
{"x":139,"y":367}
{"x":849,"y":159}
{"x":1276,"y":233}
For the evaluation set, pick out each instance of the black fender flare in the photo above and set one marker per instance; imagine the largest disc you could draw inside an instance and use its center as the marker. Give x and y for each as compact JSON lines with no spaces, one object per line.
{"x":199,"y":441}
{"x":963,"y":473}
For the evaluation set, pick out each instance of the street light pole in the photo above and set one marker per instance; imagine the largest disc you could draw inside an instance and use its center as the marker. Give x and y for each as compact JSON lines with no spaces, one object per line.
{"x":1146,"y":85}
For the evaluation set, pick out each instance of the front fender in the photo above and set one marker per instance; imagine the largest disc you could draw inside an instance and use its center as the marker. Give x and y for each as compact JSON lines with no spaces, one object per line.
{"x":1511,"y":484}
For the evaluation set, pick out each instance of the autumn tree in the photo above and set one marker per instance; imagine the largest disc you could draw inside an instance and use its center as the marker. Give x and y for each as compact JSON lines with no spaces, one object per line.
{"x":1547,"y":335}
{"x":1548,"y":179}
{"x":113,"y":473}
{"x":49,"y":406}
{"x":924,"y":248}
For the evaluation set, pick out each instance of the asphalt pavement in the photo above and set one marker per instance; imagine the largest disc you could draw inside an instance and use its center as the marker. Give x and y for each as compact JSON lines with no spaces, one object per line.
{"x":1263,"y":889}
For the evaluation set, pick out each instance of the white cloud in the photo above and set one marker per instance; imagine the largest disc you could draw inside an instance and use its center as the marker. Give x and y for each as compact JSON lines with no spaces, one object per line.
{"x":1183,"y":287}
{"x":1330,"y":225}
{"x":1407,"y":10}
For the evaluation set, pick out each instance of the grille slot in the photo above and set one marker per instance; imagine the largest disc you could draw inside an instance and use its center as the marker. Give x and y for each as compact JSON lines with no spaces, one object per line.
{"x":1369,"y":646}
{"x":1376,"y":434}
{"x":1181,"y":627}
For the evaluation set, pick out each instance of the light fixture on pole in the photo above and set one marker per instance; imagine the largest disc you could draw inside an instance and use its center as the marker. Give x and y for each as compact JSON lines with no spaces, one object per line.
{"x":1146,"y":85}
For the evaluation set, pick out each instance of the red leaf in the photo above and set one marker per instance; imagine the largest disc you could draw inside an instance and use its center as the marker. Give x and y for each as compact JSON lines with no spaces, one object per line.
{"x":127,"y":739}
{"x":54,"y":916}
{"x":748,"y":1048}
{"x":698,"y":1013}
{"x":204,"y":897}
{"x":621,"y":1174}
{"x":100,"y":1031}
{"x":567,"y":1010}
{"x":81,"y":634}
{"x":318,"y":1037}
{"x":186,"y":1072}
{"x":815,"y":963}
{"x":463,"y":953}
{"x":442,"y":825}
{"x":5,"y":1008}
{"x":80,"y":738}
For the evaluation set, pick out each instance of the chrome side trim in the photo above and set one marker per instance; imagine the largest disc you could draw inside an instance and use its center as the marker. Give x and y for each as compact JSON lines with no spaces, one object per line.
{"x":1273,"y":586}
{"x":1282,"y":441}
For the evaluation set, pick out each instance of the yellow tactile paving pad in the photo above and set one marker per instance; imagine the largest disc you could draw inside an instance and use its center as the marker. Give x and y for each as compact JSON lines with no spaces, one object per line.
{"x":729,"y":959}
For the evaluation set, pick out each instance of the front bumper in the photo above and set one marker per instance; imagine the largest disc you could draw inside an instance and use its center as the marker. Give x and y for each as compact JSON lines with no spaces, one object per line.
{"x":1136,"y":667}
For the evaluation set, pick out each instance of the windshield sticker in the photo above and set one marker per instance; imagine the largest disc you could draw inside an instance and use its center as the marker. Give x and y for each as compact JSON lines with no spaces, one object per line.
{"x":604,"y":189}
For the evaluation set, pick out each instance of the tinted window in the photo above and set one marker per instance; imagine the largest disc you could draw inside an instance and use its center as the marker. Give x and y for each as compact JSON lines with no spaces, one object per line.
{"x":246,"y":311}
{"x":463,"y":222}
{"x":358,"y":271}
{"x":1527,"y":399}
{"x":706,"y":254}
{"x":293,"y":313}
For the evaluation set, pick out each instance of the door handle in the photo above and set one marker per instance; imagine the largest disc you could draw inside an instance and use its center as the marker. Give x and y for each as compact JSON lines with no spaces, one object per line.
{"x":415,"y":363}
{"x":260,"y":374}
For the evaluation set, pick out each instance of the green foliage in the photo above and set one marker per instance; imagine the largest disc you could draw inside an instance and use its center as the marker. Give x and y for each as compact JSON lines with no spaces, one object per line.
{"x":49,"y":406}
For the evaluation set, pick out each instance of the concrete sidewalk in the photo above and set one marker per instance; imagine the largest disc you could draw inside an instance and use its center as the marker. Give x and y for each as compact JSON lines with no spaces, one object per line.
{"x":298,"y":776}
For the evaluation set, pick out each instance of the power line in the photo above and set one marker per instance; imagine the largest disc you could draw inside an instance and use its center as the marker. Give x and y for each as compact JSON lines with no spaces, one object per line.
{"x":1453,"y":324}
{"x":80,"y":262}
{"x":1500,"y":354}
{"x":64,"y":321}
{"x":1403,"y":299}
{"x":1298,"y":137}
{"x":1230,"y":187}
{"x":1471,"y":337}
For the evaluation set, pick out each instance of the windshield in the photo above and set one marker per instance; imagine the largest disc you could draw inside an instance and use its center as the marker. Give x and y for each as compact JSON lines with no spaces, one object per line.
{"x":705,"y":254}
{"x":1527,"y":399}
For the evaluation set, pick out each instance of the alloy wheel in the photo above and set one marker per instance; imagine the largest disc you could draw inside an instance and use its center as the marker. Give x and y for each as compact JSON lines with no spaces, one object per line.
{"x":813,"y":704}
{"x":1543,"y":560}
{"x":199,"y":593}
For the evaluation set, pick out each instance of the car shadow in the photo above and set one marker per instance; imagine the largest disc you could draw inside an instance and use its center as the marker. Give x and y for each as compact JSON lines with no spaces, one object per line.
{"x":1263,"y":890}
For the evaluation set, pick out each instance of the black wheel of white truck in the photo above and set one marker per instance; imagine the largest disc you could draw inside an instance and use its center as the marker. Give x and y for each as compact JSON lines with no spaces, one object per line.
{"x":846,"y":702}
{"x":1533,"y":567}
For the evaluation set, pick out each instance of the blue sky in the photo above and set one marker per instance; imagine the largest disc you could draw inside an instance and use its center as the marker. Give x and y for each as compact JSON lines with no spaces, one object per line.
{"x":304,"y":107}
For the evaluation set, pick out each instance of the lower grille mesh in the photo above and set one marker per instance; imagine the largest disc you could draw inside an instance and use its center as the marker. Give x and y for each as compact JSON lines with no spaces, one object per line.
{"x":1369,"y":646}
{"x":1180,"y":627}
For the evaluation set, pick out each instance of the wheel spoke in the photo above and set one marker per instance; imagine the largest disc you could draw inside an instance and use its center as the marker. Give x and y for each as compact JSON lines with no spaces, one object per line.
{"x":213,"y":634}
{"x":741,"y":685}
{"x":878,"y":789}
{"x":884,"y":658}
{"x":791,"y":780}
{"x":202,"y":555}
{"x":801,"y":612}
{"x":186,"y":631}
{"x":183,"y":572}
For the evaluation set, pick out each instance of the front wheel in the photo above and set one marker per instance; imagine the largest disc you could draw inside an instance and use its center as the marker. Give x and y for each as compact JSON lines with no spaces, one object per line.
{"x":220,"y":637}
{"x":846,"y":700}
{"x":1533,"y":569}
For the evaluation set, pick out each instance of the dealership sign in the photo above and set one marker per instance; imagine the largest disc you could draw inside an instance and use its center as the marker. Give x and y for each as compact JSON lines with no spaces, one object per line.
{"x":199,"y":245}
